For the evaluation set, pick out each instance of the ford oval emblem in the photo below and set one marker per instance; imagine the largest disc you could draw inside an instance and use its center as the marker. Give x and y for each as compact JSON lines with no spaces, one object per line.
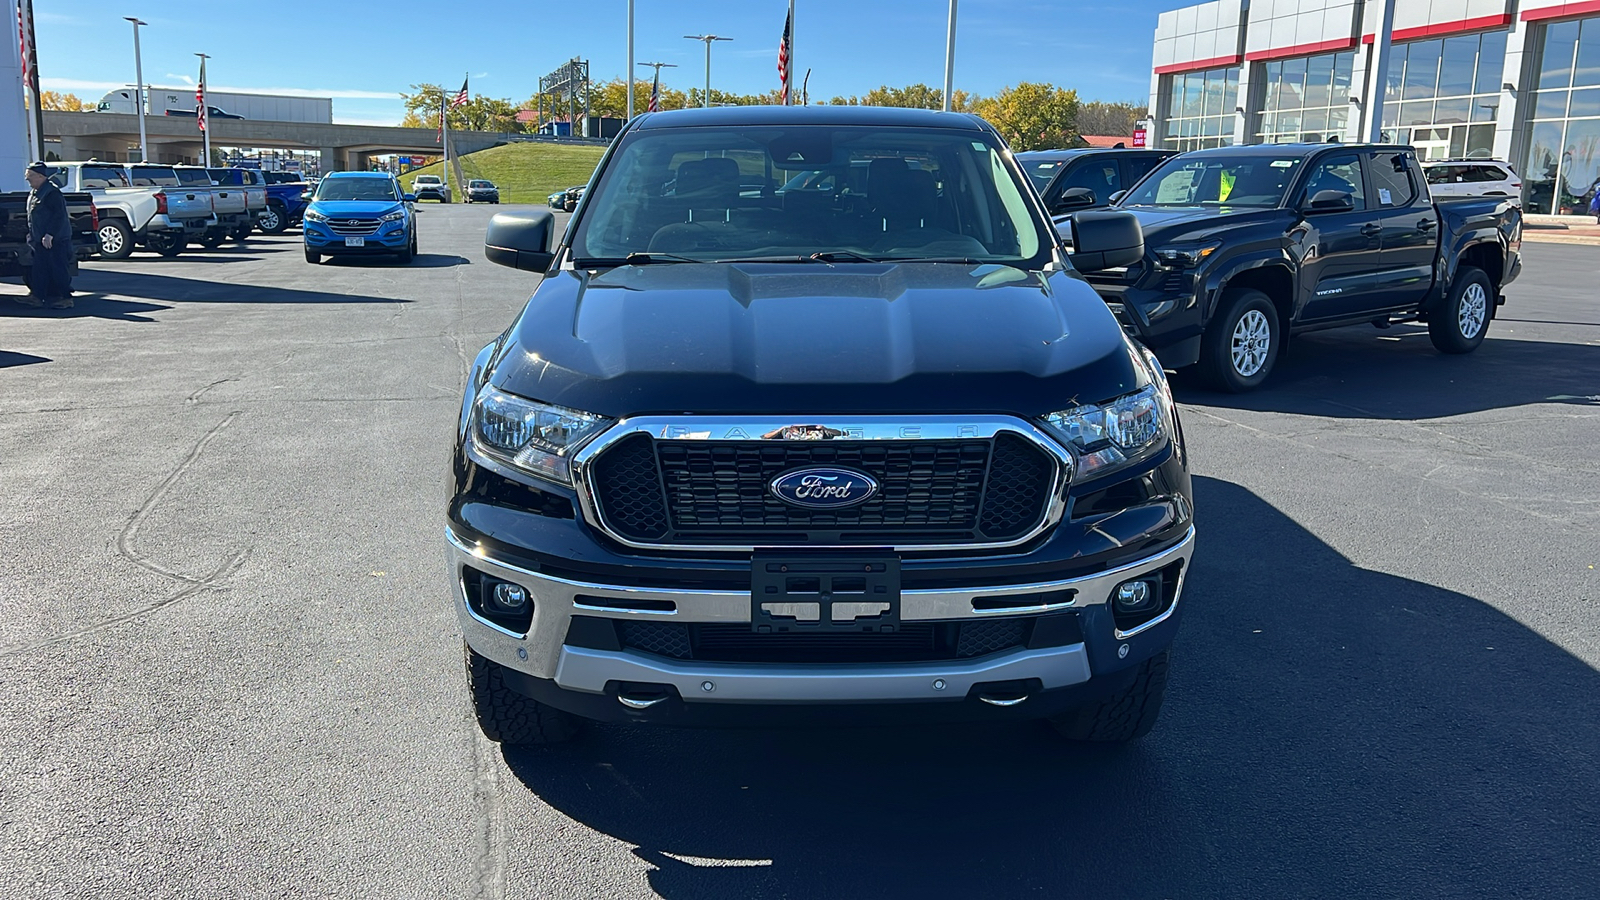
{"x":824,"y":488}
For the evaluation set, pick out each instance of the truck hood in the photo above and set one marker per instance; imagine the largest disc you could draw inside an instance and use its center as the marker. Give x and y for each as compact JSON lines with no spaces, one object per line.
{"x":1169,"y":225}
{"x":816,"y":338}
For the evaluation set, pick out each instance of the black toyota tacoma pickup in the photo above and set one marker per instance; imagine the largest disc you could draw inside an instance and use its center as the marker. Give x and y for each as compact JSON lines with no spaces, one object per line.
{"x":751,"y":454}
{"x":16,"y":258}
{"x":1245,"y":246}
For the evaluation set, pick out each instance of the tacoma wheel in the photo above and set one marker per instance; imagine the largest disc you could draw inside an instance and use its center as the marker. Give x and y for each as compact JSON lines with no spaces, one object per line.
{"x":211,"y":240}
{"x":166,"y":244}
{"x":1460,"y":324}
{"x":1241,"y":345}
{"x":116,"y":241}
{"x":1127,"y":715}
{"x":272,"y":221}
{"x":508,"y":717}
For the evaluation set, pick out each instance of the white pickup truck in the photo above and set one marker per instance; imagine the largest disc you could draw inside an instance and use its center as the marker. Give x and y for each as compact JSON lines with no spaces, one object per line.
{"x":131,"y":215}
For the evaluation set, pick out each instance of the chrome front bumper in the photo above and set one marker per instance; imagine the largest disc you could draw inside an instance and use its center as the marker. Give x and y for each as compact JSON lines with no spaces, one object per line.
{"x":541,"y":652}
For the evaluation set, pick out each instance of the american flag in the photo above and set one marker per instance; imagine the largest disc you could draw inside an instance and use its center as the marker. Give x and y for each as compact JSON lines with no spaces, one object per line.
{"x":783,"y":56}
{"x":655,"y":95}
{"x":22,"y":42}
{"x":200,"y":110}
{"x":460,"y":98}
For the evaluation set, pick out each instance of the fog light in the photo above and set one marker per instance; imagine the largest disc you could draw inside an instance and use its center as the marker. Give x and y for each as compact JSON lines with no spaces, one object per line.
{"x":1135,"y":596}
{"x":508,"y":598}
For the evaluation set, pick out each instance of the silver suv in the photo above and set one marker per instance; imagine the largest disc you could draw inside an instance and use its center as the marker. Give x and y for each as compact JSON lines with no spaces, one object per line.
{"x":1472,"y":178}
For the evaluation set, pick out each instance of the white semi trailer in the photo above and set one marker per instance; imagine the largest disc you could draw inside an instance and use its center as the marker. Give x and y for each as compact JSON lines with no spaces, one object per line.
{"x":259,"y":107}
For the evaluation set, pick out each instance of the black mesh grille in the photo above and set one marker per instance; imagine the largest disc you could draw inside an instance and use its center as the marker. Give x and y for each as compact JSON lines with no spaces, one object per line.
{"x":978,"y":638}
{"x":914,"y":642}
{"x":628,"y":490}
{"x":949,"y":491}
{"x":661,"y":638}
{"x":1019,"y":482}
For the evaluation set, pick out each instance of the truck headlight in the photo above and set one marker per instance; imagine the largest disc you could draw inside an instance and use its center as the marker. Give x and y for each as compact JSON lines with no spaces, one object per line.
{"x":1186,"y":257}
{"x":537,"y":438}
{"x":312,"y":215}
{"x":1126,"y":430}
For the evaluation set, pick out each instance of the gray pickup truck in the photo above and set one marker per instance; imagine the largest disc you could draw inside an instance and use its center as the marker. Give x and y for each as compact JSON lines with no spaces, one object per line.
{"x":228,"y":209}
{"x":183,"y":212}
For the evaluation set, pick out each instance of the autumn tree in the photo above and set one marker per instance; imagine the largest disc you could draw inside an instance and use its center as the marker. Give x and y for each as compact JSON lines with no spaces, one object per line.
{"x":914,"y":96}
{"x":1102,"y":117}
{"x":1033,"y":116}
{"x":480,"y":113}
{"x":59,"y":102}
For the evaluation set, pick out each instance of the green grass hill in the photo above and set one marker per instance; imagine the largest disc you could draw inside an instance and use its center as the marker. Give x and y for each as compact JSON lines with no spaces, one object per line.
{"x":525,"y":172}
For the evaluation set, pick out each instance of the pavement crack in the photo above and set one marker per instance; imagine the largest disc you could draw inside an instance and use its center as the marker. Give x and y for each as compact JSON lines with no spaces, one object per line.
{"x":488,"y":865}
{"x":197,"y":394}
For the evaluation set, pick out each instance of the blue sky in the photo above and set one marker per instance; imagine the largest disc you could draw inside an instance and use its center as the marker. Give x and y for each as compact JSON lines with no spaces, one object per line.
{"x":363,"y":58}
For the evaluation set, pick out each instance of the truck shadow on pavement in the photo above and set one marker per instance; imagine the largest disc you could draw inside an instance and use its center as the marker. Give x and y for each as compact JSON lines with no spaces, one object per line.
{"x":151,"y":291}
{"x":1329,"y":731}
{"x":1396,"y":374}
{"x":10,"y":360}
{"x":420,"y":261}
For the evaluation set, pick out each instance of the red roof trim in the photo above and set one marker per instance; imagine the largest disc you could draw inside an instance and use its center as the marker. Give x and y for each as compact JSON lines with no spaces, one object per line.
{"x":1198,"y":64}
{"x":1301,"y":50}
{"x":1481,"y":23}
{"x":1561,"y":11}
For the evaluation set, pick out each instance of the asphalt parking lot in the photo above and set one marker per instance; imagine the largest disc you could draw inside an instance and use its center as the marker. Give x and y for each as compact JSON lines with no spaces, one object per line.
{"x":231,"y":668}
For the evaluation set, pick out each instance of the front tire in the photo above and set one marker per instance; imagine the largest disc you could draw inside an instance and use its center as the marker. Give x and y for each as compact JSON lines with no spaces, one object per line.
{"x":115,"y":238}
{"x":409,"y":253}
{"x":507,"y":717}
{"x":1126,"y":715}
{"x":313,"y":257}
{"x":1460,"y":324}
{"x":1241,"y":345}
{"x":211,"y":240}
{"x":167,"y":245}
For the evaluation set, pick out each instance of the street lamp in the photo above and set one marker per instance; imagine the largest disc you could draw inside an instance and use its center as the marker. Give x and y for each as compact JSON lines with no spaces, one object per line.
{"x":138,"y":77}
{"x":708,"y":38}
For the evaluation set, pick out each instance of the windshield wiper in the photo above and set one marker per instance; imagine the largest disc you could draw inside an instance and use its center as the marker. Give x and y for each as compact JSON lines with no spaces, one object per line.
{"x":939,"y":259}
{"x":632,"y":259}
{"x":839,"y":255}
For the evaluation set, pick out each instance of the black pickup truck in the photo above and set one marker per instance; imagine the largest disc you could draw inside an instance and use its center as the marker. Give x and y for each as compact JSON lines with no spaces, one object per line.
{"x":14,"y":253}
{"x":865,"y":449}
{"x":1245,"y":246}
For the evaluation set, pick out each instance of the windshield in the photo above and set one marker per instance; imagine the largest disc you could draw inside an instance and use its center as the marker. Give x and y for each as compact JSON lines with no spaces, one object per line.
{"x":1254,"y":180}
{"x":480,"y":184}
{"x":356,"y":189}
{"x":785,"y":191}
{"x":153,"y":177}
{"x":427,"y":179}
{"x":1040,"y":173}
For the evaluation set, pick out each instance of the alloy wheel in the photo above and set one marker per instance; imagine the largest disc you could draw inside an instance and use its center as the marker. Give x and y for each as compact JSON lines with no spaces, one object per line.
{"x":1252,"y":338}
{"x":1473,"y":311}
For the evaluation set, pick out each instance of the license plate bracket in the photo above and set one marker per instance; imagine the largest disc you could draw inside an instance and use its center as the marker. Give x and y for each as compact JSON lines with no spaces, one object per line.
{"x":834,"y":594}
{"x":355,"y":242}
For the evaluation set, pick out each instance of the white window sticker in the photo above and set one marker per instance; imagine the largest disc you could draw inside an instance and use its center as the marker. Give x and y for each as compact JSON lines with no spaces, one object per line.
{"x":1385,"y":197}
{"x":1283,"y":163}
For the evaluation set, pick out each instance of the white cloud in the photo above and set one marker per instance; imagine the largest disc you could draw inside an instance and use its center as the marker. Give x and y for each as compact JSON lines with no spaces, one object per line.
{"x":183,"y":78}
{"x":73,"y":84}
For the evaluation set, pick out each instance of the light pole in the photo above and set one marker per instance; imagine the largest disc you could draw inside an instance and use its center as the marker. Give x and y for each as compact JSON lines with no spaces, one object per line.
{"x":950,"y":58}
{"x":629,"y":79}
{"x":655,"y":85}
{"x":708,"y":38}
{"x":138,"y":76}
{"x":203,"y":107}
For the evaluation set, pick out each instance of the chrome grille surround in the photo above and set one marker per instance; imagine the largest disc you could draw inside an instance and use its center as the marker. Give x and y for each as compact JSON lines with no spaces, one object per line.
{"x":853,"y":428}
{"x":345,"y":226}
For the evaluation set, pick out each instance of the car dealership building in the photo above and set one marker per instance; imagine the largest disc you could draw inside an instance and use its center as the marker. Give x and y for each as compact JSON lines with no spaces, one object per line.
{"x":1511,"y":79}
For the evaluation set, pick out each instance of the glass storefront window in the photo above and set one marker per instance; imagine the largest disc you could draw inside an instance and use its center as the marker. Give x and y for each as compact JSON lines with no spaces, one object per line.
{"x":1305,"y":99}
{"x":1200,"y":109}
{"x":1441,"y":86}
{"x":1563,"y":159}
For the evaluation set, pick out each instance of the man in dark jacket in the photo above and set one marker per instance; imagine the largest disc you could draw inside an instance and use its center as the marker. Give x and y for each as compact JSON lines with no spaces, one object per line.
{"x":49,"y":240}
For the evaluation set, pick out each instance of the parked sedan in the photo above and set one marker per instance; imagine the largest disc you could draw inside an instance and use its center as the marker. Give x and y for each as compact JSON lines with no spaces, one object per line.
{"x":360,"y":214}
{"x":481,"y":191}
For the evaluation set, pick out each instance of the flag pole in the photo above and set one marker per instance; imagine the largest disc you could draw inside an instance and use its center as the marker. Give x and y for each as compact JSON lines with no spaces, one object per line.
{"x":203,"y":114}
{"x":444,"y":135}
{"x":788,"y":75}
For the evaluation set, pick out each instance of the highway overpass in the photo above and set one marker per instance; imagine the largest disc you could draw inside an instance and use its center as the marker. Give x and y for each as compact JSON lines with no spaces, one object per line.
{"x":174,"y":139}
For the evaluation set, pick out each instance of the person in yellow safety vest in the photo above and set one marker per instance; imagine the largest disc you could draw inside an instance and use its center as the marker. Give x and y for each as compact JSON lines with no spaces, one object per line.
{"x":1226,"y":187}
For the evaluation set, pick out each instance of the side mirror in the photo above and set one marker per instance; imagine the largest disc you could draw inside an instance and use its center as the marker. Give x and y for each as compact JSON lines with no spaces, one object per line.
{"x":1331,"y":201}
{"x":409,"y":198}
{"x":1117,"y":197}
{"x":1074,"y":198}
{"x":521,"y":240}
{"x":1105,"y":239}
{"x":306,"y":196}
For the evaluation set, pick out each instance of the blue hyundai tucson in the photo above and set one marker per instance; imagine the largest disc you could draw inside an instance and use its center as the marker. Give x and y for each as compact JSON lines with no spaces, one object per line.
{"x":360,"y":214}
